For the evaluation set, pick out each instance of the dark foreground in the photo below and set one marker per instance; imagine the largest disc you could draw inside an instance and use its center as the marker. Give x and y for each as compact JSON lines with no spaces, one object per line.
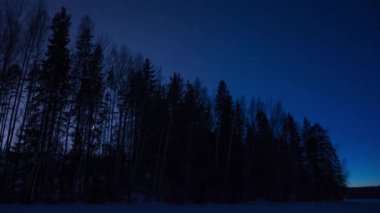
{"x":345,"y":207}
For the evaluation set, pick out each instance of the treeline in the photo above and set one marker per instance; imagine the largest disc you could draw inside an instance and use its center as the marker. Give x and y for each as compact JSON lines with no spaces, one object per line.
{"x":98,"y":124}
{"x":364,"y":192}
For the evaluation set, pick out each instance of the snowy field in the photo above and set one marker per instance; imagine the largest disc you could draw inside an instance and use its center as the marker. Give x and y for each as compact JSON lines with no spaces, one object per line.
{"x":346,"y":207}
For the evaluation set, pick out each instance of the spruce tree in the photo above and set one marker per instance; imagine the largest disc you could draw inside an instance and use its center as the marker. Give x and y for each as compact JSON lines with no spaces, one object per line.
{"x":264,"y":157}
{"x":50,"y":100}
{"x":327,"y":177}
{"x":224,"y":135}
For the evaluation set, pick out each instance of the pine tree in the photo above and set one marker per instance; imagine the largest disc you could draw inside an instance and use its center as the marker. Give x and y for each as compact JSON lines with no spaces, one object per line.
{"x":224,"y":132}
{"x":170,"y":172}
{"x":233,"y":173}
{"x":88,"y":104}
{"x":51,"y":100}
{"x":143,"y":97}
{"x":291,"y":158}
{"x":264,"y":157}
{"x":325,"y":169}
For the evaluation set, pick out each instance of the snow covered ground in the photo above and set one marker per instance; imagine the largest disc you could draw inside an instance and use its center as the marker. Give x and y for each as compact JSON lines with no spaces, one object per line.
{"x":348,"y":206}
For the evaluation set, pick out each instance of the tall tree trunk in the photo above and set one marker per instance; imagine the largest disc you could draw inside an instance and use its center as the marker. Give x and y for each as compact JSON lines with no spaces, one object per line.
{"x":168,"y":133}
{"x":226,"y":171}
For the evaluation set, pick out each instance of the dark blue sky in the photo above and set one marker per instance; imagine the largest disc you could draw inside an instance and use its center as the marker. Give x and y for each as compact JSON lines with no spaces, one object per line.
{"x":321,"y":58}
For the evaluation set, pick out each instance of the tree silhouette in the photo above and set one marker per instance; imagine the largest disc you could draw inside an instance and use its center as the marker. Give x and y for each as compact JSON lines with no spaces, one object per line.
{"x":99,"y":125}
{"x":49,"y":102}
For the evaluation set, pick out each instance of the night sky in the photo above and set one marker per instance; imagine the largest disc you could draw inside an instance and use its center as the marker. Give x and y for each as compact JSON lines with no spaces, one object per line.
{"x":321,"y":58}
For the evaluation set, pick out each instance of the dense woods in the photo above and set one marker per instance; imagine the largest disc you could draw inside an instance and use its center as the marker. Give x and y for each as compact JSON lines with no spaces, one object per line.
{"x":83,"y":121}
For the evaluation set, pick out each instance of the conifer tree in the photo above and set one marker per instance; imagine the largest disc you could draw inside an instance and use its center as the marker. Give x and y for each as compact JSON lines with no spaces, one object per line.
{"x":51,"y":99}
{"x":224,"y":132}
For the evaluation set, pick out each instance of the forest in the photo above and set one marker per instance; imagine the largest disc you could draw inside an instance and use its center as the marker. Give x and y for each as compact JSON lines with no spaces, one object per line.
{"x":85,"y":121}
